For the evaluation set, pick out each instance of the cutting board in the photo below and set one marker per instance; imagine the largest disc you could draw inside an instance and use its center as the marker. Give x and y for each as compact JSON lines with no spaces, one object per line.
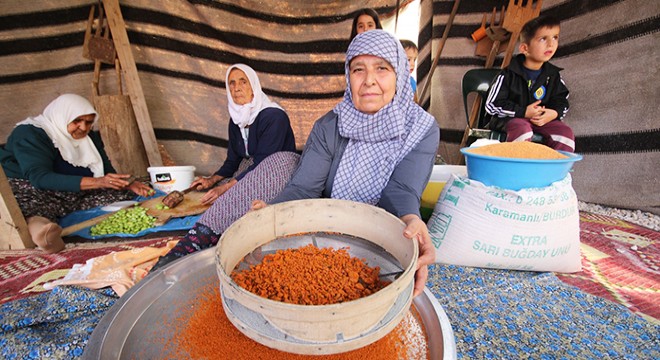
{"x":189,"y":206}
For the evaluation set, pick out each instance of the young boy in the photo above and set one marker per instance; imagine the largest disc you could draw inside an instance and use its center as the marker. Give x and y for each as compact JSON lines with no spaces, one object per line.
{"x":529,"y":96}
{"x":411,"y":53}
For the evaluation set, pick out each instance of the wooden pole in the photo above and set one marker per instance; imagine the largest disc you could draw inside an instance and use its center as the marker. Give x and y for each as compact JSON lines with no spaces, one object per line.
{"x":445,"y":34}
{"x":133,"y":85}
{"x":490,"y":60}
{"x":14,"y":229}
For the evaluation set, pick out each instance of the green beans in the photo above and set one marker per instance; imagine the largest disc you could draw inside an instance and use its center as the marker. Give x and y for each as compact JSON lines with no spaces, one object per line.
{"x":131,"y":220}
{"x":162,"y":206}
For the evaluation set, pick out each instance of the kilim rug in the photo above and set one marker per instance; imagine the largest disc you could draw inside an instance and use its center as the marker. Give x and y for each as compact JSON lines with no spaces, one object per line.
{"x":23,"y":272}
{"x":620,"y":262}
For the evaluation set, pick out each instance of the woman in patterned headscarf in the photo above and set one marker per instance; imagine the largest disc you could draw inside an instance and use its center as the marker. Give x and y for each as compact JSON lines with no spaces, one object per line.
{"x":55,"y":166}
{"x":376,"y":146}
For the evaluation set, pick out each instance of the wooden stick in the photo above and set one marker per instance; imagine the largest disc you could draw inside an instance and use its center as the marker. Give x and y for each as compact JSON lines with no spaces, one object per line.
{"x":132,"y":81}
{"x":450,"y":21}
{"x":14,"y":229}
{"x":490,"y":60}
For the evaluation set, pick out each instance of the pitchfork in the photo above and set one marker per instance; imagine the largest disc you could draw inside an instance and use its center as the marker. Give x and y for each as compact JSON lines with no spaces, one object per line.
{"x":515,"y":17}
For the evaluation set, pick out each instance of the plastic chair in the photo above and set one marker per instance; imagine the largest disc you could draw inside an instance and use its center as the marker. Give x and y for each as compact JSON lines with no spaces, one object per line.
{"x":479,"y":81}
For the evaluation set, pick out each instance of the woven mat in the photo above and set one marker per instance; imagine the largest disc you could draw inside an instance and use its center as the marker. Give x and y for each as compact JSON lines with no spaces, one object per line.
{"x":621,"y":263}
{"x":23,"y":272}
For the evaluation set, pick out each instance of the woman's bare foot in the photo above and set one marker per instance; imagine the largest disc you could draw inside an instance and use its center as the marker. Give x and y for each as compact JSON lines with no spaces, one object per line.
{"x":46,"y":234}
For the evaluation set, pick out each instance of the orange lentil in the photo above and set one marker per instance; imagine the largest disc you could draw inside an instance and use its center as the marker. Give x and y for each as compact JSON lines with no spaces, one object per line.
{"x":519,"y":150}
{"x":310,"y":276}
{"x":207,"y":333}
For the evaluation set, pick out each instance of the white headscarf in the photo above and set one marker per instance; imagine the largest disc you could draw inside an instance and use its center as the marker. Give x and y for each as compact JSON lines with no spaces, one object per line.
{"x":377,"y":142}
{"x":244,"y":115}
{"x":54,"y":120}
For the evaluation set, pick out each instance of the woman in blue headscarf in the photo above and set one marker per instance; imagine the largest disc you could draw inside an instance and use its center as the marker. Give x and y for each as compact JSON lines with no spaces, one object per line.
{"x":376,"y":146}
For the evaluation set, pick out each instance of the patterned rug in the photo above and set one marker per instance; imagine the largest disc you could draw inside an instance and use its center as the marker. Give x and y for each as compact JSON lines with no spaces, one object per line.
{"x":23,"y":272}
{"x":620,"y":260}
{"x":621,"y":263}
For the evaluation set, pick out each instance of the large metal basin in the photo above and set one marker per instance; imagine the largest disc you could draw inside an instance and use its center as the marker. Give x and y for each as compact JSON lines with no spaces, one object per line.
{"x":139,"y":323}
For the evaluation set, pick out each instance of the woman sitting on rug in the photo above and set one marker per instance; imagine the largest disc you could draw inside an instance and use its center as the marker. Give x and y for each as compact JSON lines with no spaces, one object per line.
{"x":376,"y":146}
{"x":55,"y":166}
{"x":258,"y":128}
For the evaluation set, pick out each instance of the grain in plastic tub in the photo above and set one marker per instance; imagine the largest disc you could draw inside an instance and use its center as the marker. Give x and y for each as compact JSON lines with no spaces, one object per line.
{"x":516,"y":173}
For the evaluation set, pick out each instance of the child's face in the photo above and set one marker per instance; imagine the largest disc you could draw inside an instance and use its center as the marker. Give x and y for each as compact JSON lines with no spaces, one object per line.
{"x":411,"y":53}
{"x":542,"y":47}
{"x":365,"y":23}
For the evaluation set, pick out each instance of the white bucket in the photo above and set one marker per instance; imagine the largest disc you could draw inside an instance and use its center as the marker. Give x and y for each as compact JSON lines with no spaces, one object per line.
{"x":170,"y":178}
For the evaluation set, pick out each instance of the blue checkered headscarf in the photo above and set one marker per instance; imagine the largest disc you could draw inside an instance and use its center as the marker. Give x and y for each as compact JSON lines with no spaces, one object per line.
{"x":377,"y":142}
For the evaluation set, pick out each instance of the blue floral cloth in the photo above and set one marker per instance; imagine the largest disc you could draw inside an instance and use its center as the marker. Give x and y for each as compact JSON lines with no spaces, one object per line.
{"x":52,"y":325}
{"x":501,"y":314}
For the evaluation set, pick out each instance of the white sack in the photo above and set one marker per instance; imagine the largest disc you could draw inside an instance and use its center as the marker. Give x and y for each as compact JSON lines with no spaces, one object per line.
{"x":536,"y":229}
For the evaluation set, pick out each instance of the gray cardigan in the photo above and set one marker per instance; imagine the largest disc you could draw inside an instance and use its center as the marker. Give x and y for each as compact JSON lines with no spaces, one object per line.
{"x":320,"y":159}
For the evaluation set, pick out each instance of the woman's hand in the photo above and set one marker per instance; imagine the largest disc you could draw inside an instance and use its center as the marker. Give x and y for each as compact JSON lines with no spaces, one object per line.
{"x":213,"y":194}
{"x":109,"y":181}
{"x":203,"y":183}
{"x":416,"y":229}
{"x":258,"y":205}
{"x":140,"y":189}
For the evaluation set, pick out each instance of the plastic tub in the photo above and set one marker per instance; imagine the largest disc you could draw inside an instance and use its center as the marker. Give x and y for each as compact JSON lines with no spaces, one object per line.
{"x":515,"y":174}
{"x":439,"y":177}
{"x":170,"y":178}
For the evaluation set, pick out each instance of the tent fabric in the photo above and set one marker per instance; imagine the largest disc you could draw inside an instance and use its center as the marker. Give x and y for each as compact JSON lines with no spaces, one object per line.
{"x":183,"y":48}
{"x":608,"y":52}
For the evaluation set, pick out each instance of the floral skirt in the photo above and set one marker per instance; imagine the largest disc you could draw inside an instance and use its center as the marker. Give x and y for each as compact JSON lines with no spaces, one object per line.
{"x":53,"y":204}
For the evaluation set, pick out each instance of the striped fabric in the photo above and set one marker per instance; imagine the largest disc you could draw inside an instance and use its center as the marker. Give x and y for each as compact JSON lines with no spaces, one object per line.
{"x":609,"y":52}
{"x":183,"y":48}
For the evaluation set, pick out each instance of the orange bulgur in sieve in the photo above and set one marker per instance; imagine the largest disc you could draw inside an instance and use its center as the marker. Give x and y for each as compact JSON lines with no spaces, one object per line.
{"x":519,"y":150}
{"x":310,"y":276}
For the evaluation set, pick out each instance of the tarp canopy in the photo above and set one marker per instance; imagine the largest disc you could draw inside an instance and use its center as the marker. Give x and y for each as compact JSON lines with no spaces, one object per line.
{"x":183,"y":48}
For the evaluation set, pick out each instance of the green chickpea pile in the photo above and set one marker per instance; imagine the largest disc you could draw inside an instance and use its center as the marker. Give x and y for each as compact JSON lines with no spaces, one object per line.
{"x":131,"y":220}
{"x":162,"y":206}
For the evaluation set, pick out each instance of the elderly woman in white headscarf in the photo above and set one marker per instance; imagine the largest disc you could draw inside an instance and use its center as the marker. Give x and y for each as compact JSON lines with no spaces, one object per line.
{"x":261,"y":141}
{"x":56,"y":165}
{"x":376,"y":146}
{"x":258,"y":128}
